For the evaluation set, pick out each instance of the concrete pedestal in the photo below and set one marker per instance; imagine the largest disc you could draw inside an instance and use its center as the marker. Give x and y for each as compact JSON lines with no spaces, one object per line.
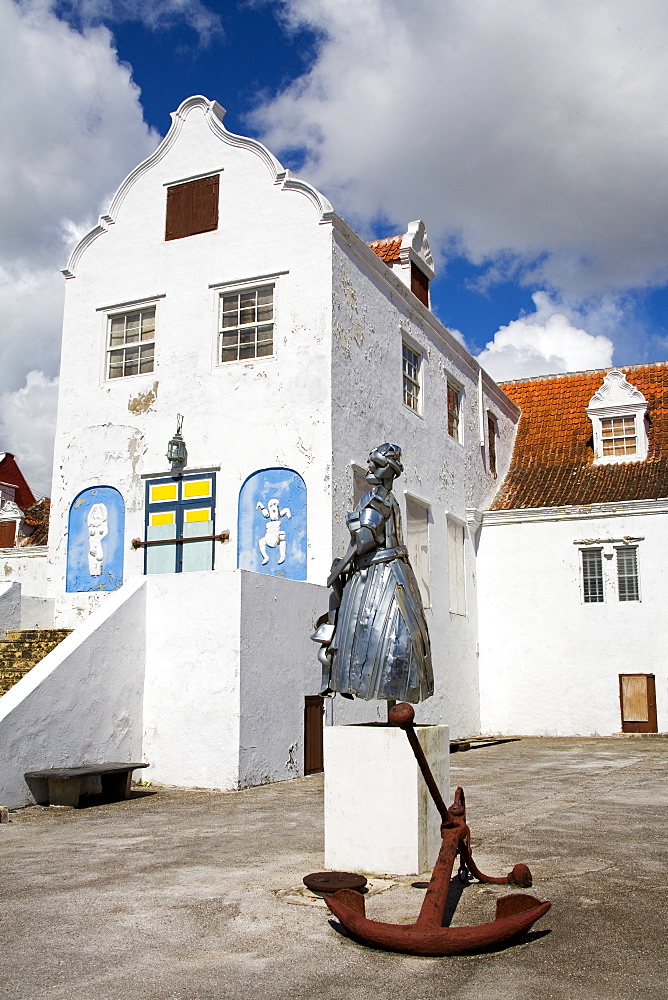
{"x":379,"y":817}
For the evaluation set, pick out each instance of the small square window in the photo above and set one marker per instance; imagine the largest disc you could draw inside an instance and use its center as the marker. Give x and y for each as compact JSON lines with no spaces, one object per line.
{"x":618,"y":435}
{"x":131,"y":343}
{"x":246,"y":324}
{"x":411,"y":370}
{"x":454,"y":407}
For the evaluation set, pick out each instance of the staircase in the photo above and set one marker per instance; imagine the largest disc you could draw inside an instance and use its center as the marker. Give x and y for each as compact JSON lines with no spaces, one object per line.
{"x":21,"y":650}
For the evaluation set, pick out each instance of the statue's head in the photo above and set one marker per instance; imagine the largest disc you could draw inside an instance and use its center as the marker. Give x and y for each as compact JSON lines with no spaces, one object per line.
{"x":384,"y":465}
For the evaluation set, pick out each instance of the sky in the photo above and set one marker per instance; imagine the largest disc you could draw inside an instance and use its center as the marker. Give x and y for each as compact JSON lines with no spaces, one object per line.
{"x":529,"y":135}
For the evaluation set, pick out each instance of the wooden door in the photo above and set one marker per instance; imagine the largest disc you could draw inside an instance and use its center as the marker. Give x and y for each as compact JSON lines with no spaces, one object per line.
{"x":314,"y":710}
{"x":637,"y":697}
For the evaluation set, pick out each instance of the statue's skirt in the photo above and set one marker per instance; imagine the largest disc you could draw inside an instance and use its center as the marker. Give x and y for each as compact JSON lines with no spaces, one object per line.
{"x":381,"y":643}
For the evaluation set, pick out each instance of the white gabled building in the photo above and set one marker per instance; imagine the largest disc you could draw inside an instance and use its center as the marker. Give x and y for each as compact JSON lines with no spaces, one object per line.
{"x":572,"y":571}
{"x":220,"y":289}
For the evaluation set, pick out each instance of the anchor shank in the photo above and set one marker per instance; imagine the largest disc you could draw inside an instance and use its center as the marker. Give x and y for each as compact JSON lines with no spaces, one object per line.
{"x":423,"y":764}
{"x":436,"y":896}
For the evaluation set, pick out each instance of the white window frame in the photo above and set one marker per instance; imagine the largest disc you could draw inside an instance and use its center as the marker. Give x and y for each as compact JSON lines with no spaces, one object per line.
{"x":585,"y":551}
{"x":109,"y":313}
{"x":223,"y":288}
{"x":617,"y":398}
{"x":418,"y":380}
{"x":457,"y":596}
{"x":627,"y":600}
{"x":420,"y":560}
{"x":457,"y":388}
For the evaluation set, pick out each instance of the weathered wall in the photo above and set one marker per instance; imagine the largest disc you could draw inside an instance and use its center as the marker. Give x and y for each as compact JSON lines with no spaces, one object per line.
{"x":373,"y":312}
{"x":549,"y":663}
{"x":10,"y":607}
{"x":239,"y":416}
{"x":191,"y":700}
{"x":82,"y":703}
{"x":28,"y":566}
{"x":279,"y":666}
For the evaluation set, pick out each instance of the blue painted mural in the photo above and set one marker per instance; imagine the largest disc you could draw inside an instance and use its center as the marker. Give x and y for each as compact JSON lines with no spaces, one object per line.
{"x":272,"y":524}
{"x":95,"y":541}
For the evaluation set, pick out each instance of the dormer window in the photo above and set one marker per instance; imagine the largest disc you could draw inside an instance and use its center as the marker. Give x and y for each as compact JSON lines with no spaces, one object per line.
{"x":617,"y":412}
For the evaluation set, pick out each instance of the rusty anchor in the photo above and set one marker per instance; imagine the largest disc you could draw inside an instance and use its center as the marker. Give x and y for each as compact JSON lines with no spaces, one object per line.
{"x":515,"y":913}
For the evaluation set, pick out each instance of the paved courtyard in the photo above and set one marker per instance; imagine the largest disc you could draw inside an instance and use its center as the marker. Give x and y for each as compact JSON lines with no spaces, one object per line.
{"x":180,"y":895}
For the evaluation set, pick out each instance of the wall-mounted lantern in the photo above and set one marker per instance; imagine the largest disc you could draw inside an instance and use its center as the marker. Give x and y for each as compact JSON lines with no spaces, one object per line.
{"x":176,"y":449}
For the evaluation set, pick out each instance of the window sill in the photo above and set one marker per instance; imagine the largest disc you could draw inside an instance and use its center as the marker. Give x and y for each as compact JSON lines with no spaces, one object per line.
{"x":221,"y":366}
{"x":416,"y":413}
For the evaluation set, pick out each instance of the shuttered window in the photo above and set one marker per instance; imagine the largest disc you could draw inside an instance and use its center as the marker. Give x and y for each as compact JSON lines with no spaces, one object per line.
{"x":592,"y":576}
{"x":417,"y":543}
{"x":456,"y":568}
{"x":192,"y":207}
{"x":627,"y":574}
{"x":420,"y":284}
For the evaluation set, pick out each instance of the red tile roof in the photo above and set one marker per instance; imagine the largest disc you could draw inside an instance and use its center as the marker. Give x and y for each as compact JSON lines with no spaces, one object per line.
{"x":552,"y":462}
{"x":387,"y":250}
{"x":10,"y":473}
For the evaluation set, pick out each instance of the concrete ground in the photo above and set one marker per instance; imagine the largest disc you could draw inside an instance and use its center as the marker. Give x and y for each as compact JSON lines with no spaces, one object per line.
{"x":177,"y":895}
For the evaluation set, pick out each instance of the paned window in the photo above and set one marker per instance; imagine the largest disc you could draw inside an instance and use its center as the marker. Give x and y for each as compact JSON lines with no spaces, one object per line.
{"x":627,"y":574}
{"x":246,"y":324}
{"x":454,"y":403}
{"x":411,"y":369}
{"x":491,"y":443}
{"x":192,"y":207}
{"x":131,"y":346}
{"x":592,"y":576}
{"x":417,"y":543}
{"x":179,"y":524}
{"x":456,"y":567}
{"x":618,"y":435}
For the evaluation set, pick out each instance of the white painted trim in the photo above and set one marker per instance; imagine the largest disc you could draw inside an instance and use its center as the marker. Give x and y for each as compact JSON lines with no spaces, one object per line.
{"x":572,"y":513}
{"x":215,"y":114}
{"x":133,"y":302}
{"x":180,"y":474}
{"x":249,"y":282}
{"x":194,"y":177}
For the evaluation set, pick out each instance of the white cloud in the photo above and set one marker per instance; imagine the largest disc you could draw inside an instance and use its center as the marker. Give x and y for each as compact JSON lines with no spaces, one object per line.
{"x":544,"y":342}
{"x":28,"y":423}
{"x":529,"y":131}
{"x":72,"y":128}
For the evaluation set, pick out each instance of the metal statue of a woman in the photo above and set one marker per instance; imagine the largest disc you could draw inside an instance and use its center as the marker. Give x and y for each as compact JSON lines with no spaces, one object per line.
{"x":374,"y":641}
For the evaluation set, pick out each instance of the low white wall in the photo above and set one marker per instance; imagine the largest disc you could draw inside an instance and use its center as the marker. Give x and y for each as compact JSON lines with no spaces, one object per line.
{"x":37,"y":612}
{"x":279,"y":666}
{"x":82,"y":703}
{"x":191,"y":699}
{"x":10,"y":607}
{"x":549,"y":663}
{"x":25,"y":565}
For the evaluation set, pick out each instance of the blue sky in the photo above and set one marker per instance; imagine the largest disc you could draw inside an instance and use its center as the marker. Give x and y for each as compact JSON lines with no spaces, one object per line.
{"x":530,"y":136}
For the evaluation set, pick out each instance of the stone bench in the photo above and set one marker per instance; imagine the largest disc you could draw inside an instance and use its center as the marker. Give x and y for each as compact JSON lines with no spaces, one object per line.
{"x":65,"y":786}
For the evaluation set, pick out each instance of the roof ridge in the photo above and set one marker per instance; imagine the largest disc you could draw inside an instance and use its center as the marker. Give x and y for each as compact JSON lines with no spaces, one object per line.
{"x":586,"y":371}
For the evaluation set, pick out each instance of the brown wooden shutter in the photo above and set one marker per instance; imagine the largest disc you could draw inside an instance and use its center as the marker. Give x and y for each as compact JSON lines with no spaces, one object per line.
{"x":7,"y":534}
{"x":313,"y":712}
{"x":192,"y":208}
{"x":637,"y":696}
{"x":420,"y":284}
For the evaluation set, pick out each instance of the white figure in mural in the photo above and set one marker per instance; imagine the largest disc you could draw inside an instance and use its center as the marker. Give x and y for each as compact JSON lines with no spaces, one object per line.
{"x":97,"y":530}
{"x":273,"y":536}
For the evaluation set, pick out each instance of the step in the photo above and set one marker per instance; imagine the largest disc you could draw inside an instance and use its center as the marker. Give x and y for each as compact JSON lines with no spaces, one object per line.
{"x":30,"y":634}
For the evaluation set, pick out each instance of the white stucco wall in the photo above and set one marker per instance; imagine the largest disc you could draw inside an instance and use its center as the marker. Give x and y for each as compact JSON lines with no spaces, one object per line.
{"x":82,"y":704}
{"x":191,"y":690}
{"x":550,"y":664}
{"x":279,"y":667}
{"x":28,"y":566}
{"x":373,"y":312}
{"x":239,"y":416}
{"x":10,"y":607}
